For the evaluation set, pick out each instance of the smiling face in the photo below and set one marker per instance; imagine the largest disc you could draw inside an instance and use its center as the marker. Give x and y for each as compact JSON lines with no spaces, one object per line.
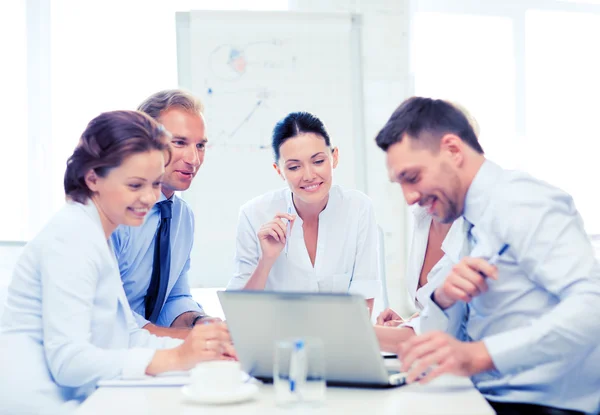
{"x":306,"y":163}
{"x":127,"y":192}
{"x":188,"y":145}
{"x":428,"y":178}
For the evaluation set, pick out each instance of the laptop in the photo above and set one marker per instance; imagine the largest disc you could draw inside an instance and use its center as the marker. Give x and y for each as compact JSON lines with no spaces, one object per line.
{"x":257,"y":319}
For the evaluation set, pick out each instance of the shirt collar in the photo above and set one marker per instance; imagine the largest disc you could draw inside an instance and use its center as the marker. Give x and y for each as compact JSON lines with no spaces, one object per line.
{"x":335,"y":195}
{"x":162,"y":198}
{"x":90,"y":208}
{"x":478,"y":195}
{"x":453,"y":242}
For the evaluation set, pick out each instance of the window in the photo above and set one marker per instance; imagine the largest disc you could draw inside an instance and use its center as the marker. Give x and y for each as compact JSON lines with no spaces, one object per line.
{"x":469,"y":60}
{"x":531,"y":87}
{"x":562,"y":89}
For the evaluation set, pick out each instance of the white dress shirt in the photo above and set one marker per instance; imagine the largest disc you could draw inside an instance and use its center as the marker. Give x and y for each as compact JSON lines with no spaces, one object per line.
{"x":67,"y":323}
{"x":346,"y":259}
{"x":451,"y":246}
{"x":540,"y":321}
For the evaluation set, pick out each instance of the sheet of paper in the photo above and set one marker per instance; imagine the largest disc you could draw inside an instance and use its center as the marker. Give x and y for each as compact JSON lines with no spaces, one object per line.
{"x":164,"y":379}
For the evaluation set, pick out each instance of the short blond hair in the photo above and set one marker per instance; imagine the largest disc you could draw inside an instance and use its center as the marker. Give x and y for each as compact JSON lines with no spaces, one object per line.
{"x":162,"y":101}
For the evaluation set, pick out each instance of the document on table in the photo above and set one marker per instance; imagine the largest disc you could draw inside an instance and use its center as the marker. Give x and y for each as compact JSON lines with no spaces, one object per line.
{"x":178,"y":378}
{"x":163,"y":379}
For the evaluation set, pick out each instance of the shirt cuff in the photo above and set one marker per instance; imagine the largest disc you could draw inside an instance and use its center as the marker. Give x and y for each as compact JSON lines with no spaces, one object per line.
{"x":512,"y":350}
{"x":433,"y":318}
{"x":366,"y":288}
{"x":174,"y":308}
{"x":414,"y":323}
{"x":237,"y":283}
{"x":141,"y":321}
{"x":136,"y":362}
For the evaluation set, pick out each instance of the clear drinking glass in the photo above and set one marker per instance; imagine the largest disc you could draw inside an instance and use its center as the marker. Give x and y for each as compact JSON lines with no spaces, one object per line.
{"x":299,"y":372}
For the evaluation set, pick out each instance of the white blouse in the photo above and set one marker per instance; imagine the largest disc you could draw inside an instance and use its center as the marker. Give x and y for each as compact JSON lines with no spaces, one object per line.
{"x":347,"y":251}
{"x":67,"y":322}
{"x":453,"y":248}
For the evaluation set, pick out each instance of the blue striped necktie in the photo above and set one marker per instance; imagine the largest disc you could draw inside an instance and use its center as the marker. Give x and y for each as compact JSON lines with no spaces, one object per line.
{"x":159,"y":282}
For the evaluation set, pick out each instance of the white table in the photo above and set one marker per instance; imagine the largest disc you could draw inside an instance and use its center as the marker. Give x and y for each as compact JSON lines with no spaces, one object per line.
{"x":446,"y":395}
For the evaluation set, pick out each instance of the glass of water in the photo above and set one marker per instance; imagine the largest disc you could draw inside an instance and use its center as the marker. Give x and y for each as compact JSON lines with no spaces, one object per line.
{"x":299,"y":372}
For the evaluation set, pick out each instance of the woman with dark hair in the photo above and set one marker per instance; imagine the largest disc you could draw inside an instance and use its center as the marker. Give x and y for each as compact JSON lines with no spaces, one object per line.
{"x":312,"y":235}
{"x":67,"y":322}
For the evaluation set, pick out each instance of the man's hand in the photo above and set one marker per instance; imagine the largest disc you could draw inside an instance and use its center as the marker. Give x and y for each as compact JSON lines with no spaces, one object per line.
{"x":464,"y":282}
{"x":430,"y":355}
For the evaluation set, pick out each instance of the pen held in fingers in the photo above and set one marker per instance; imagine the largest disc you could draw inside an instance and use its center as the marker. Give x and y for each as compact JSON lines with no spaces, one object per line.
{"x":288,"y":231}
{"x":493,"y":260}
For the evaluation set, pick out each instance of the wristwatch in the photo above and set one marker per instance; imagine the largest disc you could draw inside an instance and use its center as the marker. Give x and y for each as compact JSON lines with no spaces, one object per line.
{"x":197,"y":318}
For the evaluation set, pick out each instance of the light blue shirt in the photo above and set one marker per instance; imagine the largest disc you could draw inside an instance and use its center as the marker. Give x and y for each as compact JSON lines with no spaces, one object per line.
{"x":134,"y":248}
{"x":67,"y":323}
{"x":540,"y":321}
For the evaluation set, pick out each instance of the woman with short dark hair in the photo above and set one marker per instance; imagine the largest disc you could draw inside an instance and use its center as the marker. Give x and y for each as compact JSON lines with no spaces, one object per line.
{"x":312,"y":235}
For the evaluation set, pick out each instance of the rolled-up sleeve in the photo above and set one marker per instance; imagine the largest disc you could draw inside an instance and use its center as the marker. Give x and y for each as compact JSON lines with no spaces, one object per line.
{"x":365,"y":276}
{"x":179,"y":301}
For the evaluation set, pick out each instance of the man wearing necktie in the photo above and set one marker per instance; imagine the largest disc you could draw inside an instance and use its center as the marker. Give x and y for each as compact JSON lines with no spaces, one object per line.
{"x":161,"y":263}
{"x":526,"y":329}
{"x":154,"y":258}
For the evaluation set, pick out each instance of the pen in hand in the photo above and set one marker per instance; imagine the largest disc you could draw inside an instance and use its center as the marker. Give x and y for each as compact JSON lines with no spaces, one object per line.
{"x":287,"y":231}
{"x":494,"y":259}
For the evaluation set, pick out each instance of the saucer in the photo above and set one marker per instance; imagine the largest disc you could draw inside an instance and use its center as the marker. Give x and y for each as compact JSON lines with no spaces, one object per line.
{"x":244,"y":392}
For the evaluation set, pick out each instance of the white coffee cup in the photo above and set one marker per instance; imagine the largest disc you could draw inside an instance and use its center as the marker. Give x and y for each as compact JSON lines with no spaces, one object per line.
{"x":216,"y":377}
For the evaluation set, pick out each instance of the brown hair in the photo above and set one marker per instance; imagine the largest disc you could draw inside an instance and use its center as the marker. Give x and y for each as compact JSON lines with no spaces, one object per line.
{"x":162,"y":101}
{"x":418,"y":115}
{"x":107,"y":141}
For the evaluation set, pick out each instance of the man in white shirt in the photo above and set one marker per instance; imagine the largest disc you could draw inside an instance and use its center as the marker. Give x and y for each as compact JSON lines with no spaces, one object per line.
{"x":526,"y":329}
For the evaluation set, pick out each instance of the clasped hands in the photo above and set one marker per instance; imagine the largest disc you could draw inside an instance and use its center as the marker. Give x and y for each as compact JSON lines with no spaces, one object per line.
{"x":205,"y":342}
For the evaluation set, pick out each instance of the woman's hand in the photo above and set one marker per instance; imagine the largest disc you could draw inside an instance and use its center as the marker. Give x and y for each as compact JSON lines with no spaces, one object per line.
{"x":272,"y":235}
{"x":204,"y":342}
{"x":389,"y":317}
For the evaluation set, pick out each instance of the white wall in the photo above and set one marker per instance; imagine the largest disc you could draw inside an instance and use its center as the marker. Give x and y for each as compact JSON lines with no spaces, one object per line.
{"x":385,"y":52}
{"x":386,"y":83}
{"x":9,"y":253}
